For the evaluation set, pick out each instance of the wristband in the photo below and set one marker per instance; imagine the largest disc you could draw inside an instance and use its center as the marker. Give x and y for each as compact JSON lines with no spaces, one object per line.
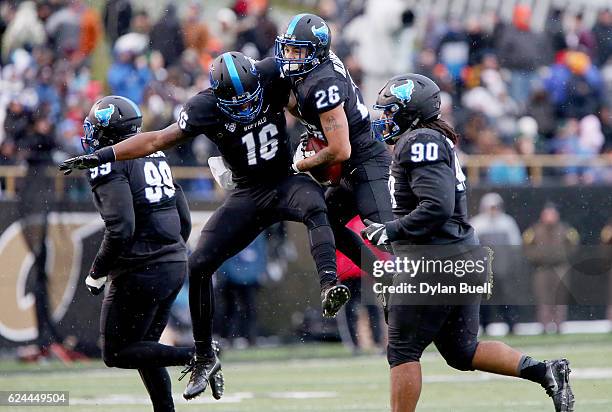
{"x":106,"y":155}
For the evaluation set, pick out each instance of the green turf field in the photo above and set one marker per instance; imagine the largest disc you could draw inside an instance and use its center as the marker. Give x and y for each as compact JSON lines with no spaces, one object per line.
{"x":327,"y":378}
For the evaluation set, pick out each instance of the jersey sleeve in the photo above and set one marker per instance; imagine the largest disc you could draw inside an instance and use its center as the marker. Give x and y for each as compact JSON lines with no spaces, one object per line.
{"x":432,"y":180}
{"x":327,"y":94}
{"x":113,"y":199}
{"x":278,"y":85}
{"x":197,"y":114}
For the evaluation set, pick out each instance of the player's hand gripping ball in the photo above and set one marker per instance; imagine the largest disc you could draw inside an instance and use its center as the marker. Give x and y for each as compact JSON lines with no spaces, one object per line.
{"x":325,"y":175}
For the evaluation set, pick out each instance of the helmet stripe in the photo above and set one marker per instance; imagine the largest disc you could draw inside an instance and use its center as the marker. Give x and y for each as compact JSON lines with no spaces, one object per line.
{"x":134,"y":105}
{"x":294,"y":23}
{"x":231,"y":68}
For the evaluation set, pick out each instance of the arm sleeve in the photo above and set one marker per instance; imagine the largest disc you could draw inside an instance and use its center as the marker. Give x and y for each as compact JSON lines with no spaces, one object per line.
{"x":113,"y":199}
{"x":327,"y":94}
{"x":183,"y":211}
{"x":434,"y":186}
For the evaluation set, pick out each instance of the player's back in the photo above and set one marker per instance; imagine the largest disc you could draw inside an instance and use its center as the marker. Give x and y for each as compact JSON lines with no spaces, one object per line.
{"x":139,"y":196}
{"x":421,"y":160}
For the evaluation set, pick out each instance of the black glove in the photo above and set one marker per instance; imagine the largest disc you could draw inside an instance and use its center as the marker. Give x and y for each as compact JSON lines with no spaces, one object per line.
{"x":376,"y":234}
{"x":80,"y":162}
{"x":95,"y":286}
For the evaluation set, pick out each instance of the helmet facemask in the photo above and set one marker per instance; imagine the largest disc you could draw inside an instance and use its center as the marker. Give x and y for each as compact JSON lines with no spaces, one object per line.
{"x":286,"y":50}
{"x":243,"y":109}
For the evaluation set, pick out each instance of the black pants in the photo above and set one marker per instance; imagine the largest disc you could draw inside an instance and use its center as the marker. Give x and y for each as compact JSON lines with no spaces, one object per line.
{"x":134,"y":314}
{"x":242,"y":217}
{"x":453,"y":329}
{"x":363,"y":191}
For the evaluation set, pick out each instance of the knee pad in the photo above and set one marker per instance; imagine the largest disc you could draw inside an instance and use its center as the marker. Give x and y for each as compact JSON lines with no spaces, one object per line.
{"x":460,"y":358}
{"x":319,"y":230}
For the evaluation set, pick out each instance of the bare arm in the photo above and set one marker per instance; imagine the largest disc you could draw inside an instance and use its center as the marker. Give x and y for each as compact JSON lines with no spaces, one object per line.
{"x":292,"y":105}
{"x":144,"y":144}
{"x":336,"y":131}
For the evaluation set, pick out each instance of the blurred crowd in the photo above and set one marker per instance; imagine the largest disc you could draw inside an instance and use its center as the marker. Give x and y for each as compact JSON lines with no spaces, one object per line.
{"x":510,"y":90}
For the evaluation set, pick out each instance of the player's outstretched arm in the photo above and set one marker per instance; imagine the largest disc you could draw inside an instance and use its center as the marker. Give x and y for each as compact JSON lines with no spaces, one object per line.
{"x":140,"y":145}
{"x":336,"y":130}
{"x":144,"y":144}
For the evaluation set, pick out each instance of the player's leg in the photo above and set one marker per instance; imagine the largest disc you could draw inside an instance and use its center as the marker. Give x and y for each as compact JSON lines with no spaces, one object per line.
{"x":134,"y":313}
{"x":300,"y":199}
{"x":159,"y":386}
{"x":128,"y":311}
{"x":411,"y":330}
{"x":405,"y":387}
{"x":457,"y":342}
{"x":229,"y":230}
{"x":366,"y":193}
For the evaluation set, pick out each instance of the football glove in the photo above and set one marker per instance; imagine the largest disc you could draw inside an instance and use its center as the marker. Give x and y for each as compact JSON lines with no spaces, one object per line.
{"x":376,"y":234}
{"x":80,"y":162}
{"x":301,"y":153}
{"x":95,"y":286}
{"x":222,"y":174}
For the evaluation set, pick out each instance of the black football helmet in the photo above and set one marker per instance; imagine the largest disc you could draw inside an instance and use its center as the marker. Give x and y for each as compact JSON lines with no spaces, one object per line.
{"x":311,"y":35}
{"x":234,"y":80}
{"x":406,"y":101}
{"x":110,"y":120}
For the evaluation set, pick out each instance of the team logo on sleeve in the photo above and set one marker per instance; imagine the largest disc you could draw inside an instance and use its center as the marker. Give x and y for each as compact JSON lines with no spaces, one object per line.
{"x":322,"y":33}
{"x":231,"y":127}
{"x":104,"y":115}
{"x":404,"y":91}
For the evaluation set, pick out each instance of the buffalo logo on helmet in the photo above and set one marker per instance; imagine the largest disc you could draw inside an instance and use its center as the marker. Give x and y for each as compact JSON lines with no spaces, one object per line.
{"x":322,"y":33}
{"x":104,"y":115}
{"x":404,"y":91}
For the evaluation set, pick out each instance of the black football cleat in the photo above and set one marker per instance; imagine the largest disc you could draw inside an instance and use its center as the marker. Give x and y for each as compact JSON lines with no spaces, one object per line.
{"x":204,"y":371}
{"x":217,"y":385}
{"x":557,"y":385}
{"x":333,"y":298}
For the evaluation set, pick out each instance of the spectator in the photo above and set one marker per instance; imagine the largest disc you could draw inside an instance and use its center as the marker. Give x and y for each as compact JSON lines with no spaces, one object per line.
{"x":64,"y":29}
{"x":24,"y":31}
{"x":196,"y":33}
{"x":376,"y":26}
{"x":91,"y":31}
{"x":521,"y":51}
{"x":602,"y":31}
{"x":167,"y":36}
{"x":117,"y":18}
{"x":241,"y":276}
{"x":226,"y":29}
{"x":548,"y":245}
{"x":129,"y":75}
{"x":499,"y":231}
{"x":580,"y":38}
{"x":16,"y":127}
{"x":575,"y":86}
{"x":507,"y":169}
{"x":542,"y":110}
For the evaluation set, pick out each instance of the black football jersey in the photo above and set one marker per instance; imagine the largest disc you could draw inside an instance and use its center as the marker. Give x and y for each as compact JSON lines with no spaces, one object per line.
{"x":257,"y":151}
{"x":137,"y":200}
{"x":327,"y":86}
{"x":427,"y":189}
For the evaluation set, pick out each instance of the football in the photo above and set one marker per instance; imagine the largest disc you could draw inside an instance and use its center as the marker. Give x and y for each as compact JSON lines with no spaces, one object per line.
{"x":326,"y":175}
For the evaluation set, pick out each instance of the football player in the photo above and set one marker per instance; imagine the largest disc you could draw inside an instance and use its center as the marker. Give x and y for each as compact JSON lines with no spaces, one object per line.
{"x":243,"y":114}
{"x":143,"y":252}
{"x":429,"y":202}
{"x":329,"y":104}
